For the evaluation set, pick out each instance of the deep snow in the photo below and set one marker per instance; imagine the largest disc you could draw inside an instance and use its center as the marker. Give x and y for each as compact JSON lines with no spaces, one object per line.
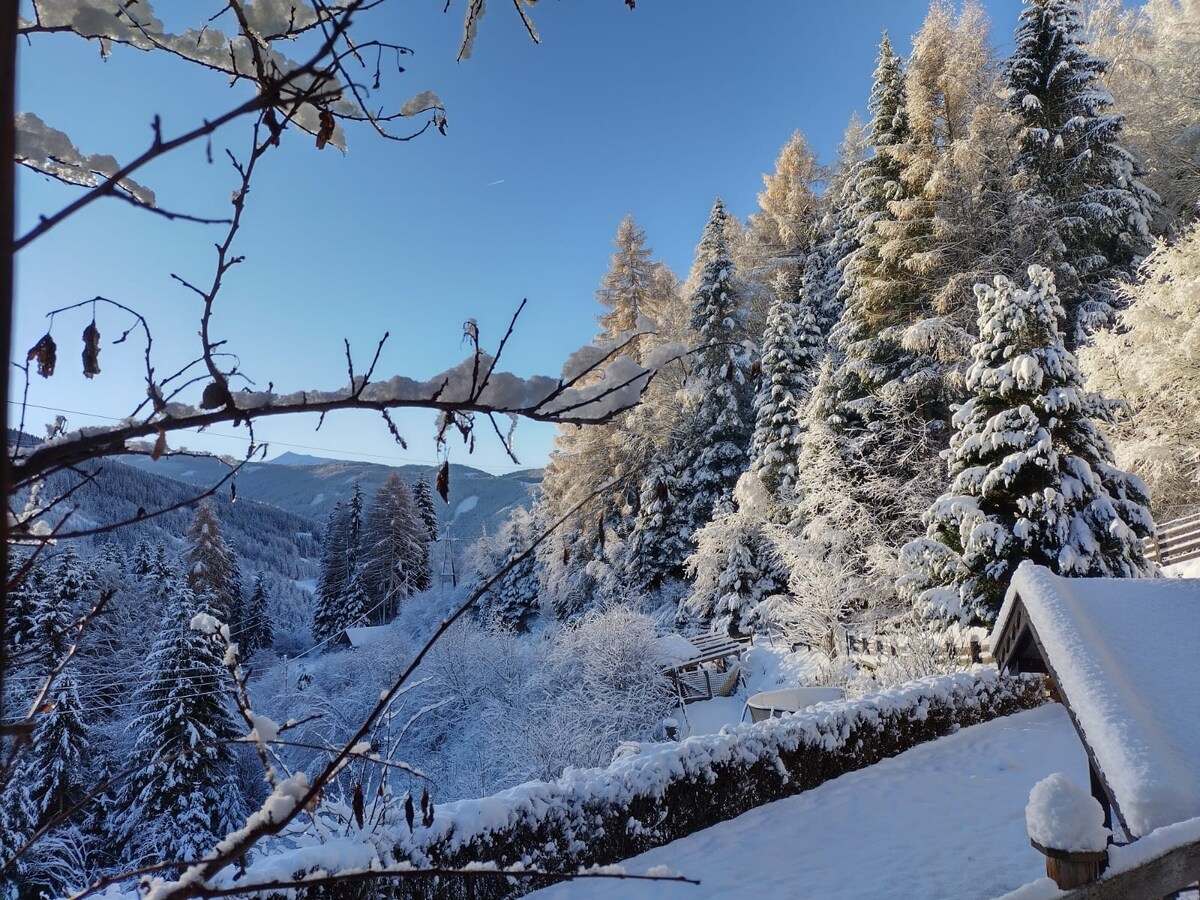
{"x":944,"y":820}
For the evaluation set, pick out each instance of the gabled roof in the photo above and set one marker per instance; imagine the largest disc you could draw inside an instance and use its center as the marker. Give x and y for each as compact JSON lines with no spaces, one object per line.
{"x":1125,"y":657}
{"x":367,"y":634}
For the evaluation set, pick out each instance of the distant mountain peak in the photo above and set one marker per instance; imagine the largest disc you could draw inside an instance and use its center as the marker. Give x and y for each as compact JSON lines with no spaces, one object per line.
{"x":298,"y":459}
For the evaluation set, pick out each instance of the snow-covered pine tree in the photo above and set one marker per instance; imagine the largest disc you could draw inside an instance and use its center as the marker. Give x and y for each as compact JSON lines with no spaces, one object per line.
{"x":1088,"y":214}
{"x":734,"y":567}
{"x":183,"y":795}
{"x":258,"y":631}
{"x":15,"y":828}
{"x":876,"y":283}
{"x":395,"y":556}
{"x":336,"y":573}
{"x":661,"y":536}
{"x":885,"y":401}
{"x":426,"y":509}
{"x":211,"y":565}
{"x":793,"y":346}
{"x":824,"y":284}
{"x":341,"y":600}
{"x":70,"y":582}
{"x":1151,"y":361}
{"x":143,"y":558}
{"x":57,"y":766}
{"x":1033,"y":476}
{"x":23,"y":602}
{"x":713,"y":447}
{"x":513,"y":601}
{"x":882,"y":299}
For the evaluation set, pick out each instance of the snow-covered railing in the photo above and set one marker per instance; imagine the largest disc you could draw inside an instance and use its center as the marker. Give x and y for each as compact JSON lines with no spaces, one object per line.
{"x":1176,"y":541}
{"x":1163,"y":862}
{"x":667,"y":791}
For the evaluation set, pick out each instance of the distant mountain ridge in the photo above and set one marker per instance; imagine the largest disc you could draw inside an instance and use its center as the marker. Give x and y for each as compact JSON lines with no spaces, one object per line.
{"x":309,"y":486}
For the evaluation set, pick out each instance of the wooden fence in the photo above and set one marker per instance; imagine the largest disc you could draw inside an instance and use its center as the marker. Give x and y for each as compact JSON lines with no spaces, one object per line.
{"x":1176,"y":541}
{"x":858,"y":645}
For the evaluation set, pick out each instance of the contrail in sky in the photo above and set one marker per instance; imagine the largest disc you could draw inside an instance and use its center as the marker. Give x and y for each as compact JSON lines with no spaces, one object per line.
{"x":497,"y":181}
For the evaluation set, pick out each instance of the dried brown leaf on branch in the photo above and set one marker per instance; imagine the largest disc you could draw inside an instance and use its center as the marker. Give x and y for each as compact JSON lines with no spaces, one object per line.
{"x":45,"y":351}
{"x":443,"y":482}
{"x":358,"y":806}
{"x":325,"y":133}
{"x":160,"y":446}
{"x":91,"y":350}
{"x":426,"y":808}
{"x":216,"y":395}
{"x":409,"y":813}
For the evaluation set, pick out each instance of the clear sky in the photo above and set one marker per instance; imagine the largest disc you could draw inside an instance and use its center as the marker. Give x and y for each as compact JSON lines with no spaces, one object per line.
{"x":652,"y":112}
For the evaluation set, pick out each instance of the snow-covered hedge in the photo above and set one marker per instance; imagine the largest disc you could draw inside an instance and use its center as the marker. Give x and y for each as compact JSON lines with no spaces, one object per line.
{"x":666,"y":791}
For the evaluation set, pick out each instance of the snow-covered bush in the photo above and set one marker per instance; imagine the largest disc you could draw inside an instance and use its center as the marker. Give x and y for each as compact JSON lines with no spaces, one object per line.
{"x":666,"y":791}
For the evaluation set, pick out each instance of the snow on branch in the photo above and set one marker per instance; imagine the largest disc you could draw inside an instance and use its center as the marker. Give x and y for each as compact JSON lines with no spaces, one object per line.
{"x":47,"y":150}
{"x":597,"y":383}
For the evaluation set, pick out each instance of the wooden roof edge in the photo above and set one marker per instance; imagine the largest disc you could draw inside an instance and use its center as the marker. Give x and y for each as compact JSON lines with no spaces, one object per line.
{"x":1023,"y":622}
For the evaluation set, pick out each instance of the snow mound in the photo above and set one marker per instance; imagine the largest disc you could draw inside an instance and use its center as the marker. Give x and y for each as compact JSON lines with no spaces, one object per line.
{"x":1063,"y":816}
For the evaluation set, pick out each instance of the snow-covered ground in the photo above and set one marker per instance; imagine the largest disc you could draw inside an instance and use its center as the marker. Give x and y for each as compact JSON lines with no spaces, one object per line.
{"x":765,"y":668}
{"x":1189,"y":569}
{"x":944,"y":820}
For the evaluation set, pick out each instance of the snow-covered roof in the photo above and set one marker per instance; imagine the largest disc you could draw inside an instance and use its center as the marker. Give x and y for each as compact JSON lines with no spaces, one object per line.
{"x":1123,"y":655}
{"x":367,"y":634}
{"x":674,"y":649}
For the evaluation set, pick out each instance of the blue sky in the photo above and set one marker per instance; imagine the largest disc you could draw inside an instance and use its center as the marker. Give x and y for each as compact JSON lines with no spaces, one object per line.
{"x":652,"y":112}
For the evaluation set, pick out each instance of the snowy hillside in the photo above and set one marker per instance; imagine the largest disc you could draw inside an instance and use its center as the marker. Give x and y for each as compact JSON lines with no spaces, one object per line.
{"x":263,"y":536}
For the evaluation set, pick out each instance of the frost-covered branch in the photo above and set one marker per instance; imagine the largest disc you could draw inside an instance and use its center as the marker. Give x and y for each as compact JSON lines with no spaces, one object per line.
{"x":588,"y":392}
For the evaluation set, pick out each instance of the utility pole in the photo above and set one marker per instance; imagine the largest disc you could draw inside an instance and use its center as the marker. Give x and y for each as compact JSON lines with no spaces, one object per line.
{"x":449,"y":575}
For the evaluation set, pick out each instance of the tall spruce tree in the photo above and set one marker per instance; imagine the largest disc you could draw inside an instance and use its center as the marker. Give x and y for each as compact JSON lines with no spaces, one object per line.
{"x":713,"y":449}
{"x":513,"y":601}
{"x":882,"y":301}
{"x":395,"y":557}
{"x":56,"y":768}
{"x":334,"y":580}
{"x":426,"y":509}
{"x":257,"y":632}
{"x":792,"y":348}
{"x":1033,"y":476}
{"x":660,"y":540}
{"x":1089,"y":215}
{"x":341,"y":600}
{"x":183,"y":795}
{"x":212,"y":569}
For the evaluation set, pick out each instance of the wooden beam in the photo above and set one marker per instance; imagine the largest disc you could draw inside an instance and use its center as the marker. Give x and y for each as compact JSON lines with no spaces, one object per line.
{"x":1092,"y":761}
{"x":1161,"y":876}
